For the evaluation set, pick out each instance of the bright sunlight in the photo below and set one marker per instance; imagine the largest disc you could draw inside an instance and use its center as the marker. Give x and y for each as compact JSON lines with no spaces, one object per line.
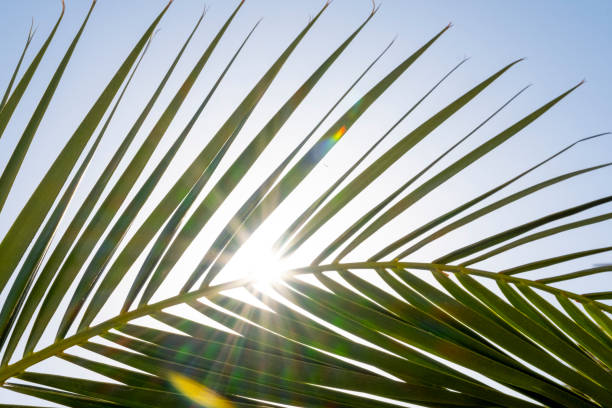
{"x":257,"y":259}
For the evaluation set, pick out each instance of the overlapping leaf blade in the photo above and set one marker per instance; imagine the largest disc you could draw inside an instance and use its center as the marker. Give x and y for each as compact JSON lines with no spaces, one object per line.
{"x":380,"y":206}
{"x":101,"y":219}
{"x":393,"y":154}
{"x":26,"y":276}
{"x":9,"y":87}
{"x":17,"y":239}
{"x":453,"y":169}
{"x":255,"y":198}
{"x":310,"y":159}
{"x":8,"y":107}
{"x":109,"y":245}
{"x":303,"y":218}
{"x":246,"y":159}
{"x":14,"y":164}
{"x":63,"y":246}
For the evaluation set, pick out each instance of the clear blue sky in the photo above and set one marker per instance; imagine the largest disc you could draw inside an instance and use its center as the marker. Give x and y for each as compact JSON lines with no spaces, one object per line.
{"x":563,"y":42}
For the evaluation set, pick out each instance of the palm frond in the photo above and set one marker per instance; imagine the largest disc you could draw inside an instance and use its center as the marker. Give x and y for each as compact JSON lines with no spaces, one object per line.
{"x":384,"y":330}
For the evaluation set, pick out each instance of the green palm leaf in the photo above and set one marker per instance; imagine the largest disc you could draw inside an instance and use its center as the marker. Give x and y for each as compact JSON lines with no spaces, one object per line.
{"x":387,"y":331}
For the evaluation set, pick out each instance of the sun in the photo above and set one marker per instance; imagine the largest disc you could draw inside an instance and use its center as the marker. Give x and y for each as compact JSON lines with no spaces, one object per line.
{"x":258,"y":260}
{"x":269,"y":267}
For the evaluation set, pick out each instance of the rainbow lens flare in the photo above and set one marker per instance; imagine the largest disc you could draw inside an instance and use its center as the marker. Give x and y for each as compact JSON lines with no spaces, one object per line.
{"x":197,"y":392}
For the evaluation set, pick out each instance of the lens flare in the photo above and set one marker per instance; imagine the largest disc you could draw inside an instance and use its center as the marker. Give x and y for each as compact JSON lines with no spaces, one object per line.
{"x":197,"y":392}
{"x":339,"y":133}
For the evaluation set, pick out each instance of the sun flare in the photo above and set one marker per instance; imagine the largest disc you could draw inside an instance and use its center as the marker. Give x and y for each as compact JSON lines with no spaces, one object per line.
{"x":259,"y":261}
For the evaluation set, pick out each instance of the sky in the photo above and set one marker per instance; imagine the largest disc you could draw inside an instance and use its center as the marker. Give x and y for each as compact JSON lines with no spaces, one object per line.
{"x":563,"y":42}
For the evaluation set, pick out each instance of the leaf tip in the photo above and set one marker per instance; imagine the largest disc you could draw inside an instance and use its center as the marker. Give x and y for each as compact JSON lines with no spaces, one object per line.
{"x":513,"y":63}
{"x":31,"y":32}
{"x":375,"y":8}
{"x":578,"y":85}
